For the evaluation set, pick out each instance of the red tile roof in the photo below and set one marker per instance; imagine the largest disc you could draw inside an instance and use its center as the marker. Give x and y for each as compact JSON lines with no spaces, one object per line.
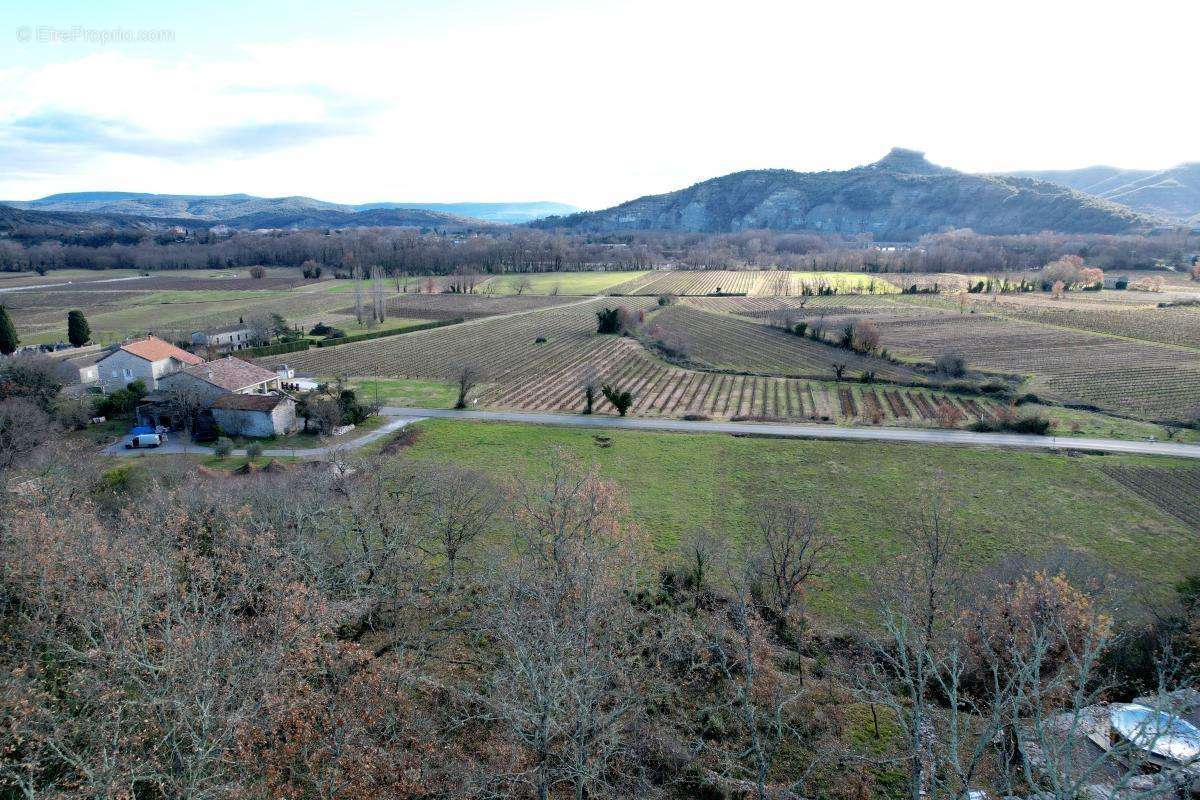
{"x":153,"y":348}
{"x":231,"y":374}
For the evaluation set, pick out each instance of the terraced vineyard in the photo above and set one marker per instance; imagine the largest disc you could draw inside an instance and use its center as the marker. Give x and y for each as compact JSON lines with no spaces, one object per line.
{"x":720,"y":341}
{"x":699,"y":282}
{"x":1144,"y":379}
{"x":760,"y":307}
{"x":1172,"y":325}
{"x":1174,"y":490}
{"x":525,"y":374}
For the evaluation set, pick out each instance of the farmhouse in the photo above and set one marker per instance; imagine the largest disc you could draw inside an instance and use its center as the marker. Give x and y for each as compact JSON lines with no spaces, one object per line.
{"x":227,"y":339}
{"x":210,"y":379}
{"x":148,"y":360}
{"x":195,"y":388}
{"x":257,"y":415}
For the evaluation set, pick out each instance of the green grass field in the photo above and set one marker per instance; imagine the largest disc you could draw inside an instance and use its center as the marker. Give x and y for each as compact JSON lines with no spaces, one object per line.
{"x":848,"y":282}
{"x":1007,"y":503}
{"x":582,"y":283}
{"x":410,"y":392}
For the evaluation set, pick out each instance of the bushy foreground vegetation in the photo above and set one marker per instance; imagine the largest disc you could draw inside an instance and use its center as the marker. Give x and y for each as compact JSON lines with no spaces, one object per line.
{"x":402,"y":628}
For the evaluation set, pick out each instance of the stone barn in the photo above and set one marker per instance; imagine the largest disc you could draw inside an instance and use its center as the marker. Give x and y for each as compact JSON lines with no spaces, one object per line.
{"x":255,"y":415}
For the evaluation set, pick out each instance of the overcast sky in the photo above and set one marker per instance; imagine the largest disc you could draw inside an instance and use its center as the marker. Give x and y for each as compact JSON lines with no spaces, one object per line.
{"x":588,"y":103}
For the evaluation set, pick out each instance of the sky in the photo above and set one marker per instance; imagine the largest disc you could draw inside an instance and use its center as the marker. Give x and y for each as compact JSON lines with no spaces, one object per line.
{"x":587,"y":103}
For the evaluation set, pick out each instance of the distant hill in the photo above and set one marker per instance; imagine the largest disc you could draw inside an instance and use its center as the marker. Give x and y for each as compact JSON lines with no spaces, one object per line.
{"x":1170,"y":193}
{"x":51,"y":223}
{"x":375,"y":218}
{"x":223,"y":208}
{"x":11,"y":218}
{"x":503,"y":213}
{"x":899,"y":197}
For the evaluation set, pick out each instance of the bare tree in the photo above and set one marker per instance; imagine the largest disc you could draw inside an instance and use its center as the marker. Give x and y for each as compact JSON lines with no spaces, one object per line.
{"x":700,"y":554}
{"x":467,"y":378}
{"x":759,"y":697}
{"x":356,"y":276}
{"x":590,"y":383}
{"x":260,"y":328}
{"x":920,"y":595}
{"x":323,"y":412}
{"x":458,"y":507}
{"x":183,"y":401}
{"x":792,"y":549}
{"x":566,"y":685}
{"x":23,"y":428}
{"x":378,"y":305}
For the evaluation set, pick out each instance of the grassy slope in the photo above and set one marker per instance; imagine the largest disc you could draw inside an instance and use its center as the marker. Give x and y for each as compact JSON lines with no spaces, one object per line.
{"x":1008,"y":503}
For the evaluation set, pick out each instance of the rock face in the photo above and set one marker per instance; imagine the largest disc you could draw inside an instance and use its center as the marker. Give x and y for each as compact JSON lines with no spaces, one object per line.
{"x":1170,"y":193}
{"x":899,"y":197}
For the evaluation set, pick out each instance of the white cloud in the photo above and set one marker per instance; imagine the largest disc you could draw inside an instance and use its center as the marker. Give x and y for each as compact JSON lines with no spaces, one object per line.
{"x":600,"y":102}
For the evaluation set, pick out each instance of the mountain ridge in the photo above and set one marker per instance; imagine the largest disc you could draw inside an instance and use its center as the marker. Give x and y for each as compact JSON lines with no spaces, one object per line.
{"x":229,"y":207}
{"x":12,"y":217}
{"x":899,"y":197}
{"x":1172,"y":193}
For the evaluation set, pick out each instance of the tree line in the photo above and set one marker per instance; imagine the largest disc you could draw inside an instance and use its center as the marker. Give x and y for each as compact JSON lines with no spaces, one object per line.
{"x":416,"y":252}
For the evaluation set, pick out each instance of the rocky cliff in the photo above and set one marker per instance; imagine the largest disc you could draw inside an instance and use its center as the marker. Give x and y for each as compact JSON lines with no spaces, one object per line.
{"x":899,"y":197}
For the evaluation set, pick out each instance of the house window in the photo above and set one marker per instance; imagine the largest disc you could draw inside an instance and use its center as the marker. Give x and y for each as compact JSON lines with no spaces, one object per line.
{"x":127,"y":373}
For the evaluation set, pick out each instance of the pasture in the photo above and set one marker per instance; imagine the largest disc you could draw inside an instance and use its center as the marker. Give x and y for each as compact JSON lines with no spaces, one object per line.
{"x":1004,"y":502}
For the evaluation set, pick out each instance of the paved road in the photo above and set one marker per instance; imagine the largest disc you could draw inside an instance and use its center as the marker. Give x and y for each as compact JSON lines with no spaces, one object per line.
{"x":405,"y":416}
{"x":808,"y":431}
{"x":178,"y":445}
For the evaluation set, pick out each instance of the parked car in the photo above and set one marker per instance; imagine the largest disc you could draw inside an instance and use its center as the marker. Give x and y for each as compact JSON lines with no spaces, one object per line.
{"x":146,"y":440}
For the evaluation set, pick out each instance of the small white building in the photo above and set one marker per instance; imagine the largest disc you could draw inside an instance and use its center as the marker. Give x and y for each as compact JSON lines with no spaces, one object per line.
{"x":255,"y":415}
{"x":227,"y":339}
{"x":148,"y":360}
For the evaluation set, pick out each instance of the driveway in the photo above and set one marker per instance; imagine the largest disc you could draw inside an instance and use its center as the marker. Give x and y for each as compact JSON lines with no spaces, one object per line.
{"x":177,"y":444}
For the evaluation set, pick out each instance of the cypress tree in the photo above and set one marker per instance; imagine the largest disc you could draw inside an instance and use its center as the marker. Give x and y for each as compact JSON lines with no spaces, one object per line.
{"x":79,"y":332}
{"x":8,"y":334}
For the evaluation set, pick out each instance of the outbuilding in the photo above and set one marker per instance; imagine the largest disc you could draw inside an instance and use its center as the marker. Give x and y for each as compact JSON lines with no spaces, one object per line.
{"x":255,"y":415}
